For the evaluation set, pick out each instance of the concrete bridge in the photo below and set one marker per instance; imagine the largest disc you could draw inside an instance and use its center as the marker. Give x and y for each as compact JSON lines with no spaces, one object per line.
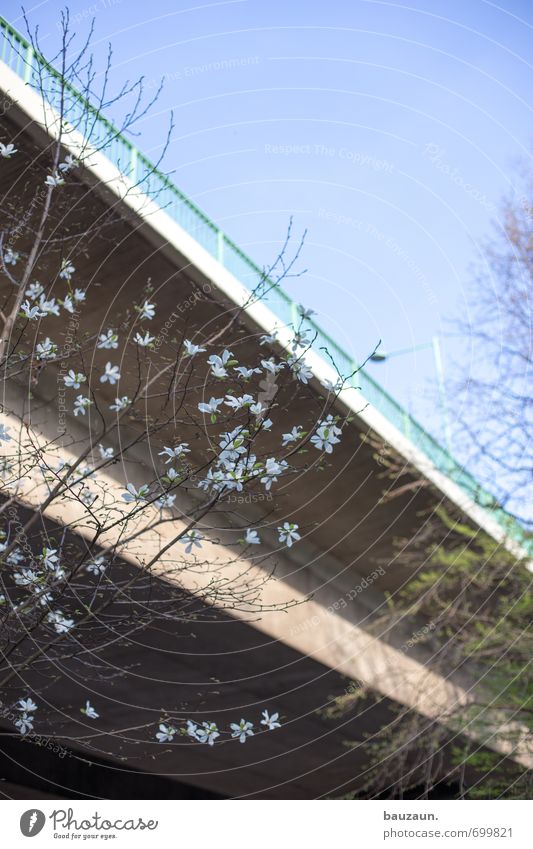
{"x":296,"y":660}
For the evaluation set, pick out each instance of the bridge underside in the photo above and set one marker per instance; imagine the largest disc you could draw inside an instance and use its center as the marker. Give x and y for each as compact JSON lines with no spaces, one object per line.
{"x":208,"y":666}
{"x":275,"y":661}
{"x":344,"y":512}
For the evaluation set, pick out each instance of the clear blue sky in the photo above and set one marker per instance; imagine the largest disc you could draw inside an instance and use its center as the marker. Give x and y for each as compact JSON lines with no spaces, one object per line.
{"x":388,"y":130}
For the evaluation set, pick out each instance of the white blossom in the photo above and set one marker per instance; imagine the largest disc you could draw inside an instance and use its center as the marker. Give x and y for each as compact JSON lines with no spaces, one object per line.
{"x":301,"y":339}
{"x":11,"y":257}
{"x":271,"y":366}
{"x":46,"y":349}
{"x":300,"y":370}
{"x":89,"y":711}
{"x":134,"y":494}
{"x":166,"y":500}
{"x":97,"y":566}
{"x":60,"y":622}
{"x":326,"y":436}
{"x":271,"y":721}
{"x":333,"y":387}
{"x":251,"y":537}
{"x":246,"y":373}
{"x":257,"y":409}
{"x":171,"y":475}
{"x":144,"y":341}
{"x":35,"y":290}
{"x":26,"y":705}
{"x":68,"y":304}
{"x":120,"y":404}
{"x":108,"y":340}
{"x":232,"y":444}
{"x":70,"y":162}
{"x":210,"y":407}
{"x":272,"y":469}
{"x":105,"y":453}
{"x":111,"y":374}
{"x":147,"y":311}
{"x":268,"y":340}
{"x":15,"y":557}
{"x":81,"y":404}
{"x":175,"y":453}
{"x":48,"y":307}
{"x":54,"y":180}
{"x":57,"y":572}
{"x":218,"y":364}
{"x":166,"y":733}
{"x":67,"y":269}
{"x":218,"y":371}
{"x":31,"y":312}
{"x":7,"y":150}
{"x":4,"y":435}
{"x":293,"y":436}
{"x":27,"y":577}
{"x":192,"y":729}
{"x":191,"y":540}
{"x":242,"y":730}
{"x":191,"y":350}
{"x":49,"y":557}
{"x":87,"y":496}
{"x":208,"y":733}
{"x":305,"y":313}
{"x":238,"y":403}
{"x":45,"y":599}
{"x":74,"y":379}
{"x":24,"y":724}
{"x":289,"y":533}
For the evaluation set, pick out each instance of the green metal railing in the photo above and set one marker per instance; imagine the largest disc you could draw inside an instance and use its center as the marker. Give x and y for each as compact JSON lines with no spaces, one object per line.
{"x":19,"y":55}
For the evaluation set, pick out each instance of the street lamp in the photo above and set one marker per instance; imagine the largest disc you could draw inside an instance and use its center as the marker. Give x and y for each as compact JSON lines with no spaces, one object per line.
{"x":382,"y":356}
